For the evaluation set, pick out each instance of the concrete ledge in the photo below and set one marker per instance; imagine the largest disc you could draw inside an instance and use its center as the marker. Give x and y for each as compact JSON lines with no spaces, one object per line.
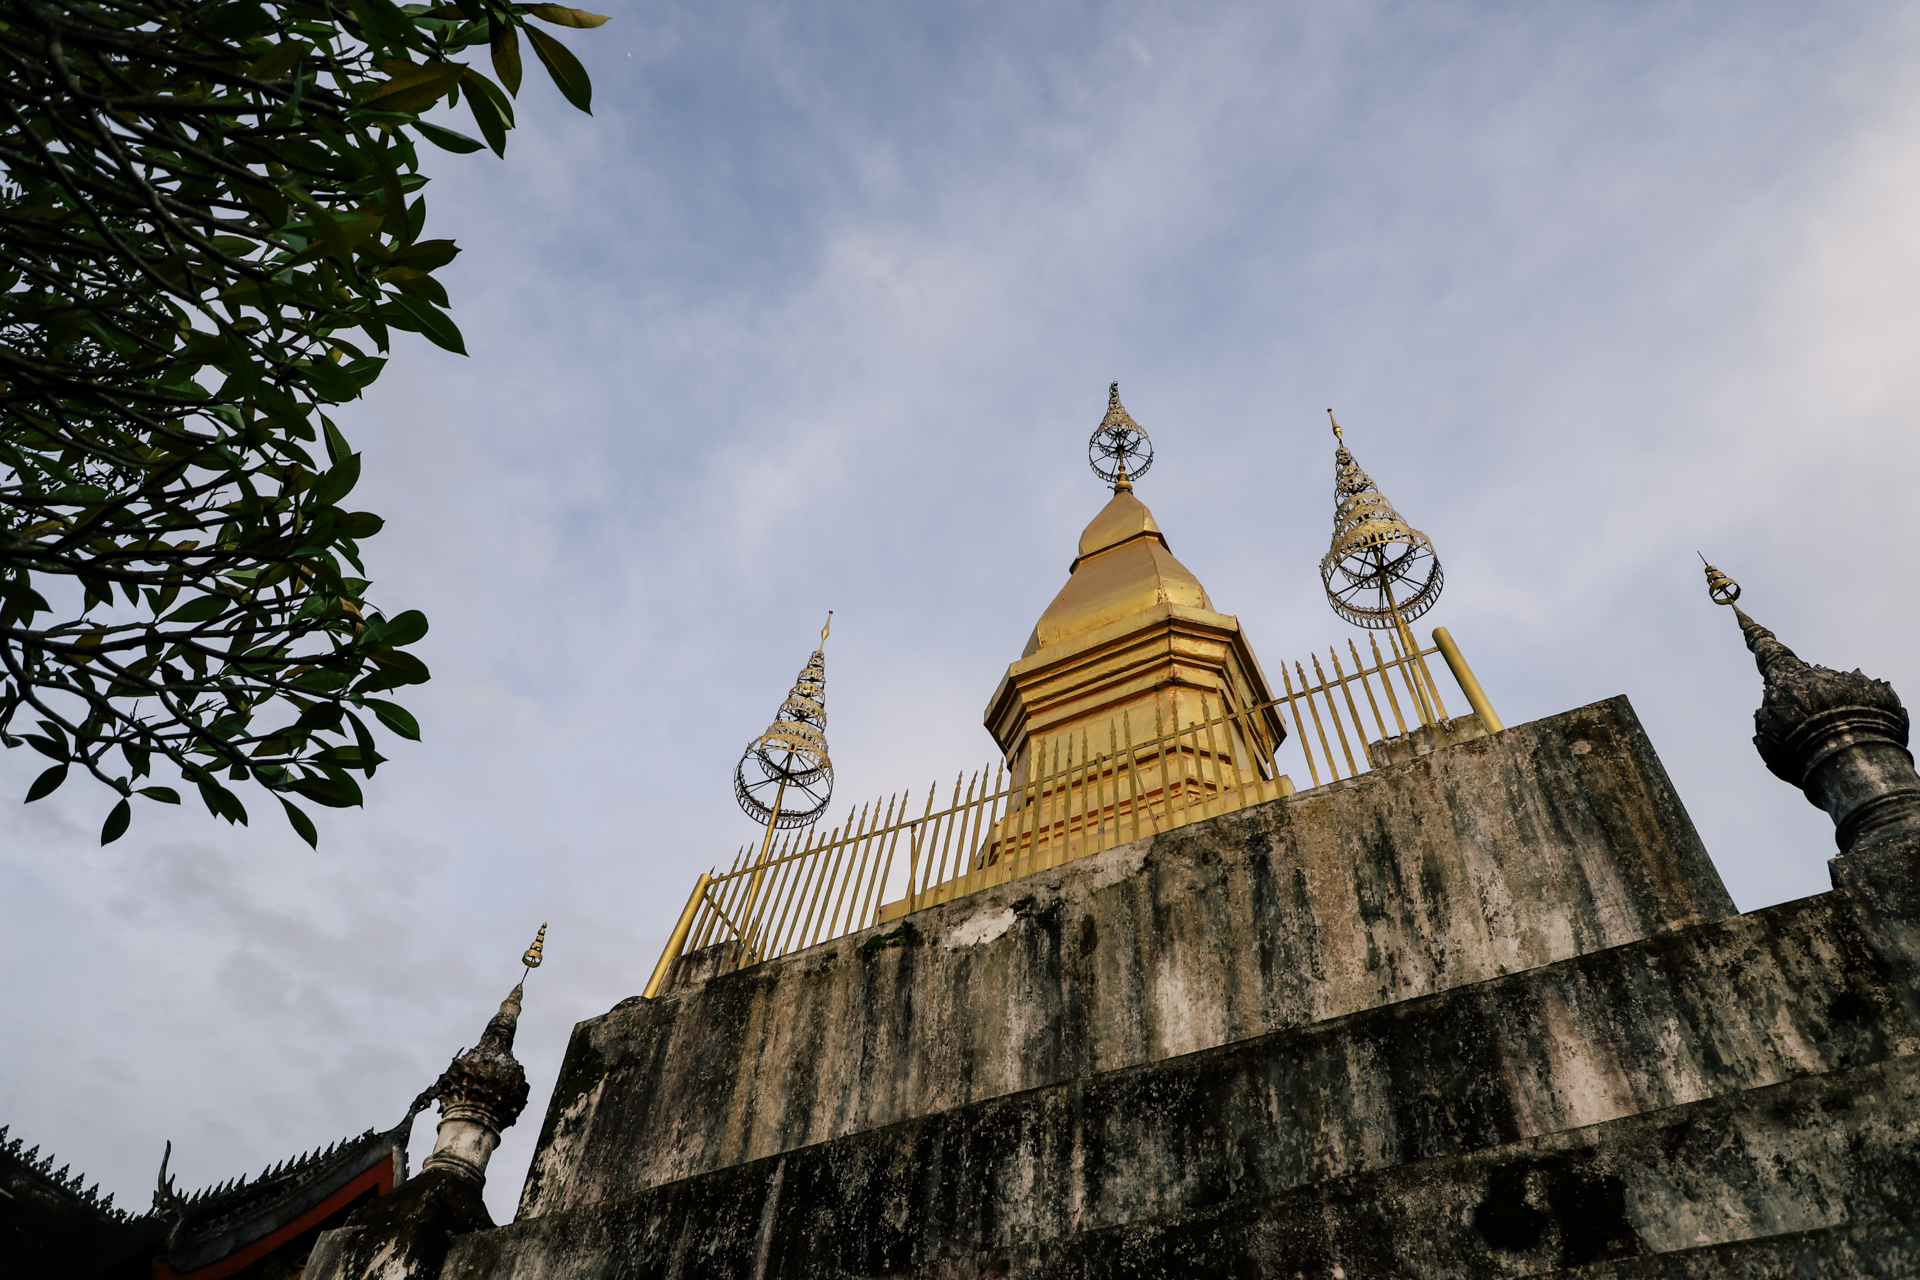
{"x":1502,"y":854}
{"x":1752,"y":1001}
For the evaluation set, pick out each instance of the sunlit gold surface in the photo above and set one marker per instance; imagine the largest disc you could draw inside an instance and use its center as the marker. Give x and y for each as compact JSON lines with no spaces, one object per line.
{"x":1132,"y":646}
{"x":1464,"y":677}
{"x":1081,"y":796}
{"x":1123,"y":569}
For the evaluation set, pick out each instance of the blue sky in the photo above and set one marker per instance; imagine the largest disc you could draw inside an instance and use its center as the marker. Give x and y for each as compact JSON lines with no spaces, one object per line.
{"x":818,"y":310}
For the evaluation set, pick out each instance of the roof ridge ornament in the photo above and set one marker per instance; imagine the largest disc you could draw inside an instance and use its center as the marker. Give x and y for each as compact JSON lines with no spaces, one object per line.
{"x":1119,"y":450}
{"x":1380,"y":572}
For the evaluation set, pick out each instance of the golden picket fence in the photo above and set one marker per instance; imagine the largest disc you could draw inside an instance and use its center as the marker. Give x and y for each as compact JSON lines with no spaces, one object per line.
{"x":813,"y":886}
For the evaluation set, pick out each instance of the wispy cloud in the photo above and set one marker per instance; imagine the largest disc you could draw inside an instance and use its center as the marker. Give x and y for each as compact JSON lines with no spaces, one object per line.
{"x":817,"y":311}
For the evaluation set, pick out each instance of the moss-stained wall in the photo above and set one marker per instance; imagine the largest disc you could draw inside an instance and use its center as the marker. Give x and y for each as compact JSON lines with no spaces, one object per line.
{"x":1740,"y":1079}
{"x":1547,"y":841}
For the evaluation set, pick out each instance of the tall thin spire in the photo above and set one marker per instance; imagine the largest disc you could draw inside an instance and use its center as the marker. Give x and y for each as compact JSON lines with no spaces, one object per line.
{"x":1380,"y":571}
{"x":1839,"y":736}
{"x":785,"y":776}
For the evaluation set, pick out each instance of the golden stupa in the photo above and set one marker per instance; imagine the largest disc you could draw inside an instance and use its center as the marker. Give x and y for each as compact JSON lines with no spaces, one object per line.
{"x":1130,"y":650}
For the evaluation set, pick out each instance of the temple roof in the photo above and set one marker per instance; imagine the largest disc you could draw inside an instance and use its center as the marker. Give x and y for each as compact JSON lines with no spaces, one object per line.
{"x":1124,"y":568}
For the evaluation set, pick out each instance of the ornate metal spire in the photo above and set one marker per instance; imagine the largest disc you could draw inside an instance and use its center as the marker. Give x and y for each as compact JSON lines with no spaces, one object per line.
{"x":531,"y":958}
{"x":1119,"y":450}
{"x":785,"y":778}
{"x":1380,"y":572}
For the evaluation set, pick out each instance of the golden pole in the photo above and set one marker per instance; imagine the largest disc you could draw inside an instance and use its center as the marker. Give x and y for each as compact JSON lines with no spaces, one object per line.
{"x":1463,"y":676}
{"x":760,"y":864}
{"x":678,"y":938}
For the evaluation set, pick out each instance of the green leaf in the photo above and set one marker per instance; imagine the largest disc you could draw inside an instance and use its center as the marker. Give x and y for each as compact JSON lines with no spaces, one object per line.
{"x":46,"y":747}
{"x":242,"y":17}
{"x":47,"y":783}
{"x":506,"y":56}
{"x":278,"y":60}
{"x":568,"y":75}
{"x":396,"y":718}
{"x":428,"y":255}
{"x":436,"y":324}
{"x":413,"y":87}
{"x":220,"y":802}
{"x":560,"y":16}
{"x":165,"y":795}
{"x":404,"y":629}
{"x":116,"y":824}
{"x":338,"y":450}
{"x":359,"y":524}
{"x":340,"y":793}
{"x":403,"y":668}
{"x":336,"y":482}
{"x":302,"y":824}
{"x":330,"y":380}
{"x":490,"y":108}
{"x":382,"y":20}
{"x":200,"y":609}
{"x":448,"y":139}
{"x":362,"y":750}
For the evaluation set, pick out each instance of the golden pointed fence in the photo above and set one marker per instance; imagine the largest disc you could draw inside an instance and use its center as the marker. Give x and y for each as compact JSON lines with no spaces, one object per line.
{"x":1073,"y":795}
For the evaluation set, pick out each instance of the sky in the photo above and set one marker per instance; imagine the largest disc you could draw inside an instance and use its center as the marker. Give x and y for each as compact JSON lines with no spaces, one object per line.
{"x":817,"y":311}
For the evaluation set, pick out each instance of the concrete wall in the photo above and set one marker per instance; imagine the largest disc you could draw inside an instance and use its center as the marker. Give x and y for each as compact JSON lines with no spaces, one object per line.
{"x":1547,"y":841}
{"x":1491,"y":1125}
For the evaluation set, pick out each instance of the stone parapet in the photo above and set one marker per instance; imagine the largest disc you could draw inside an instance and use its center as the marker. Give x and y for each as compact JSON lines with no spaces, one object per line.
{"x":1503,"y":854}
{"x":1569,"y":1113}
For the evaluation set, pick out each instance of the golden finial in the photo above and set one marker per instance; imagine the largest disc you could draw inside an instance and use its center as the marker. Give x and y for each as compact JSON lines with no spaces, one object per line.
{"x":789,"y":761}
{"x":1721,"y":588}
{"x":1380,"y":571}
{"x":1116,"y":442}
{"x":826,"y":628}
{"x":532,"y":957}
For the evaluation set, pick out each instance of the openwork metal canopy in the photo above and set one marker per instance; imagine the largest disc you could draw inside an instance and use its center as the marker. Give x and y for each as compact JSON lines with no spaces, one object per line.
{"x":785,"y":778}
{"x":1720,"y":588}
{"x":1380,"y":572}
{"x":1119,"y":451}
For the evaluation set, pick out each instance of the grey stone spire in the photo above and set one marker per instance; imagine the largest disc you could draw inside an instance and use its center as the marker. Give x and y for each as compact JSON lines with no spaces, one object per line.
{"x":1839,"y":736}
{"x":482,"y":1092}
{"x":405,"y":1235}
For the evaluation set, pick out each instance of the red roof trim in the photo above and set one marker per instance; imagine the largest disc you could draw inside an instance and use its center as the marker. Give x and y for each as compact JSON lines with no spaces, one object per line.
{"x":378,"y":1179}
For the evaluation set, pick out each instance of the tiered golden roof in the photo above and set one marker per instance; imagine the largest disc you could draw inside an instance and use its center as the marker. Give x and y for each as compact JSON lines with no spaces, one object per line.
{"x":1130,"y":646}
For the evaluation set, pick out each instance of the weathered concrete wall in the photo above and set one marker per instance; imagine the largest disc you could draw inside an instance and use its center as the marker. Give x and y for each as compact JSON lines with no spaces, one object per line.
{"x":1514,"y":851}
{"x":1745,"y":1003}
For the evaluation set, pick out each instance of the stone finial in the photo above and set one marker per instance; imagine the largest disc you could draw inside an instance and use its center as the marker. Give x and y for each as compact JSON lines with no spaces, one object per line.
{"x":1839,"y":736}
{"x":482,"y":1092}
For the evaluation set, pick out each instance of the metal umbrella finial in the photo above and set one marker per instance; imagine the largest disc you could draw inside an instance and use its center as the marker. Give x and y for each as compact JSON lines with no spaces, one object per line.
{"x":1720,"y":588}
{"x":1119,"y":450}
{"x":531,"y":957}
{"x":1380,"y":572}
{"x":789,"y":761}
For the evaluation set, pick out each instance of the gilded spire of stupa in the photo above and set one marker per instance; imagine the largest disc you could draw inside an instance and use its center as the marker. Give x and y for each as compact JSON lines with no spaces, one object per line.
{"x":785,"y":777}
{"x":1380,"y":572}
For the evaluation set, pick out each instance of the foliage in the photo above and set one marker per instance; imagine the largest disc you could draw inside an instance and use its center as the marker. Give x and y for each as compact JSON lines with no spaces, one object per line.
{"x":210,"y":223}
